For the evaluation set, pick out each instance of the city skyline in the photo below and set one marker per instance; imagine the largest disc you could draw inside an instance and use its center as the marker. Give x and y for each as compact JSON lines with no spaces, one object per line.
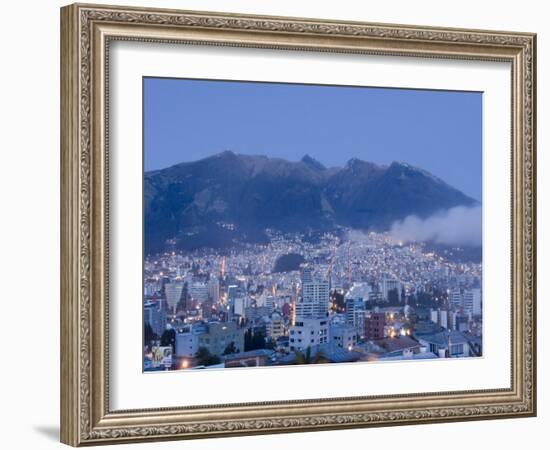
{"x":278,"y":250}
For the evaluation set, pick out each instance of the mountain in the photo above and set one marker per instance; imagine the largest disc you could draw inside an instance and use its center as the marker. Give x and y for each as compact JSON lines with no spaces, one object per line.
{"x":226,"y":198}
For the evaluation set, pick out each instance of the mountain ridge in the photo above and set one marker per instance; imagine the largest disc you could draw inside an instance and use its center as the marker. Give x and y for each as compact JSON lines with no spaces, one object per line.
{"x":228,"y":198}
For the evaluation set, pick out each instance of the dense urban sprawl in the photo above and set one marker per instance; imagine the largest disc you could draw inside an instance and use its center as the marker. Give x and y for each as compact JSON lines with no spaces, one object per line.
{"x":338,"y":297}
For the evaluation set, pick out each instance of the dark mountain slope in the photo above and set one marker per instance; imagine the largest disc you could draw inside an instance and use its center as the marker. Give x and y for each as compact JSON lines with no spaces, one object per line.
{"x":226,"y":198}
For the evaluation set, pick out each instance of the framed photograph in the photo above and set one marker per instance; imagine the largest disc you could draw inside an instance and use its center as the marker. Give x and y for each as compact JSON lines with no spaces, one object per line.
{"x":275,"y":224}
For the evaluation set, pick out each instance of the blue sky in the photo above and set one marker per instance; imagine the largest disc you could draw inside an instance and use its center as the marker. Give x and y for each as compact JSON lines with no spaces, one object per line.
{"x":439,"y":131}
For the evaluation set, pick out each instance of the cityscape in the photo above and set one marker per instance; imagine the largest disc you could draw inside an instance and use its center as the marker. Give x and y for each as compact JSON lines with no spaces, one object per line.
{"x":346,"y":297}
{"x":367,"y":249}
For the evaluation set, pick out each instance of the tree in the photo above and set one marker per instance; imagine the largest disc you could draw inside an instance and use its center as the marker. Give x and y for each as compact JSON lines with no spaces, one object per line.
{"x":148,"y":333}
{"x":248,"y":340}
{"x":205,"y":358}
{"x":306,"y":358}
{"x":230,"y":349}
{"x":168,"y":338}
{"x":254,"y":340}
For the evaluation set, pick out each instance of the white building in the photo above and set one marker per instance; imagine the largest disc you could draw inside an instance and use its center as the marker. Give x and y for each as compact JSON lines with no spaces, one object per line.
{"x":343,"y":335}
{"x":468,"y":300}
{"x":199,"y":291}
{"x":472,"y":301}
{"x":155,"y":316}
{"x":310,"y":326}
{"x":214,"y":289}
{"x":356,"y":313}
{"x":313,"y":303}
{"x":187,"y":343}
{"x":173,"y":292}
{"x":447,"y":344}
{"x":275,"y":326}
{"x":240,"y":304}
{"x":441,"y":317}
{"x":308,"y":333}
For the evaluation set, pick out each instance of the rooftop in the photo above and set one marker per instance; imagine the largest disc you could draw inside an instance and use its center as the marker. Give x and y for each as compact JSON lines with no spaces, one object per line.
{"x":395,"y":344}
{"x":250,"y":354}
{"x":443,"y":338}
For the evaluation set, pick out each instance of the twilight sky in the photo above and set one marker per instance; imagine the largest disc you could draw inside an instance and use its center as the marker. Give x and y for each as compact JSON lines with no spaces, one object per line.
{"x":439,"y":131}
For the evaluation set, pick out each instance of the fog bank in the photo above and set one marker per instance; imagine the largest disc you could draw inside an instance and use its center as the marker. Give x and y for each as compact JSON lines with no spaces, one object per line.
{"x":456,"y":226}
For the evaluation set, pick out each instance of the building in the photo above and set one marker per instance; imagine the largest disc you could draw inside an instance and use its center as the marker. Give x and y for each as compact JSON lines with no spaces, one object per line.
{"x":472,"y":301}
{"x":400,"y":345}
{"x":331,"y":353}
{"x":155,"y":316}
{"x":455,"y":298}
{"x":447,"y":344}
{"x":308,"y":333}
{"x":187,"y":341}
{"x":462,"y":322}
{"x":387,"y":285}
{"x":440,"y":317}
{"x":276,"y":326}
{"x":467,"y":300}
{"x":173,"y":293}
{"x":199,"y":291}
{"x":374,"y":326}
{"x":310,"y":326}
{"x":253,"y":313}
{"x":343,"y":335}
{"x":214,"y":289}
{"x":240,"y":304}
{"x":220,"y":335}
{"x":233,"y":291}
{"x":252,"y":358}
{"x":355,"y":312}
{"x":313,"y":303}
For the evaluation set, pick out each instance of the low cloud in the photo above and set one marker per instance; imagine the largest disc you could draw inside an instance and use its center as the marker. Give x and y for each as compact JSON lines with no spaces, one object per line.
{"x":456,"y":226}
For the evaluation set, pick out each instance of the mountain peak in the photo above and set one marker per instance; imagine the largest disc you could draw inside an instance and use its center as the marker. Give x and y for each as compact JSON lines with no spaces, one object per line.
{"x":356,"y":163}
{"x":353,"y":162}
{"x":188,"y":202}
{"x":225,"y":154}
{"x":312,"y":163}
{"x":406,"y":168}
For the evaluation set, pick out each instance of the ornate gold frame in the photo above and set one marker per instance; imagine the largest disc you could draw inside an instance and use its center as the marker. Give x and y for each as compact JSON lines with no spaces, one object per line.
{"x":86,"y":31}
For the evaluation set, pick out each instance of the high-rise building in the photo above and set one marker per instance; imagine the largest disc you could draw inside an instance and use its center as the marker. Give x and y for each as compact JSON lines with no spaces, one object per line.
{"x":232,"y":291}
{"x":455,"y":298}
{"x":472,"y":301}
{"x":387,"y":285}
{"x":467,"y":300}
{"x":199,"y":291}
{"x":441,"y":317}
{"x":173,"y":292}
{"x":214,"y":289}
{"x":310,"y":327}
{"x":155,"y":316}
{"x":307,"y":275}
{"x":313,"y":303}
{"x":240,"y":304}
{"x":355,"y":314}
